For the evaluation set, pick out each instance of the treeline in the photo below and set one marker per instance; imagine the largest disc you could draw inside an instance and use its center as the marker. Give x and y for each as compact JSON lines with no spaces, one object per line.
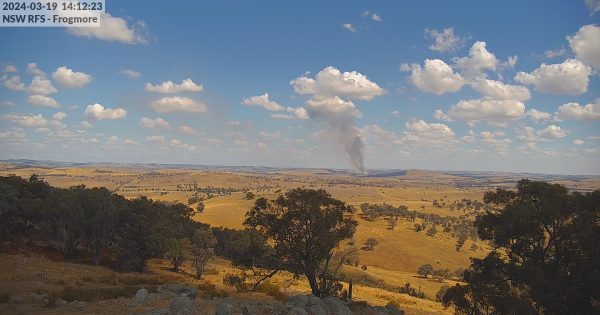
{"x":94,"y":223}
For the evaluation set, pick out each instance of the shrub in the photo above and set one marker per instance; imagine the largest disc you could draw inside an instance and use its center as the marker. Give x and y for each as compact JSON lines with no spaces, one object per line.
{"x":4,"y":297}
{"x":210,"y":291}
{"x":235,"y":281}
{"x":273,"y":290}
{"x":440,"y":293}
{"x":408,"y":289}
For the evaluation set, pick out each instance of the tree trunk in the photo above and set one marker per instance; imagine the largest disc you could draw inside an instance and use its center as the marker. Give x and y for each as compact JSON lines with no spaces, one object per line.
{"x":314,"y":286}
{"x":350,"y":290}
{"x":98,"y":253}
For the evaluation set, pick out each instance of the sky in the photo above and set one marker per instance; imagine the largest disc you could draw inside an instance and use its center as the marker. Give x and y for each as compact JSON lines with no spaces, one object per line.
{"x":440,"y":85}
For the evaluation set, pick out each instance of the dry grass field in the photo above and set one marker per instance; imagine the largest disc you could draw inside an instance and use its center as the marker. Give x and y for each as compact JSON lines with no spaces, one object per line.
{"x":394,"y":260}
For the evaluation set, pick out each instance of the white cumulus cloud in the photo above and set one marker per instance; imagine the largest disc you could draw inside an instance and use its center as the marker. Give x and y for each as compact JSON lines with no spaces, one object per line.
{"x":71,"y":79}
{"x":113,"y":29}
{"x":133,"y":74}
{"x":478,"y":61}
{"x":42,"y":100}
{"x":178,"y":104}
{"x":586,"y":45}
{"x":569,"y":77}
{"x":444,"y":40}
{"x":171,"y":87}
{"x":332,"y":82}
{"x":42,"y":86}
{"x":98,"y":112}
{"x":577,"y":112}
{"x":493,"y":111}
{"x":436,"y":77}
{"x":497,"y":90}
{"x":14,"y":84}
{"x":154,"y":123}
{"x":30,"y":121}
{"x":262,"y":101}
{"x":538,"y":116}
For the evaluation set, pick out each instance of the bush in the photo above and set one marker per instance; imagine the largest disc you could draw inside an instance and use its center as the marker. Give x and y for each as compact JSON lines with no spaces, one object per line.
{"x":4,"y":297}
{"x":273,"y":290}
{"x":408,"y":289}
{"x":210,"y":291}
{"x":235,"y":281}
{"x":440,"y":293}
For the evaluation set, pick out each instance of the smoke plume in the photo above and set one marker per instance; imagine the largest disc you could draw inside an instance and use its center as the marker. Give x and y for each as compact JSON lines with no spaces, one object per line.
{"x":330,"y":91}
{"x":340,"y":126}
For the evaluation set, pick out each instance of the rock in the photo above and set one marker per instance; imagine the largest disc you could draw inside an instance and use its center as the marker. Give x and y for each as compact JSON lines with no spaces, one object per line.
{"x":39,"y":298}
{"x":298,"y":300}
{"x":19,"y":299}
{"x":78,"y":304}
{"x":297,"y":310}
{"x":246,"y":310}
{"x":61,"y":302}
{"x":224,"y":309}
{"x":141,"y":296}
{"x":159,"y":311}
{"x":337,"y":307}
{"x":166,"y":295}
{"x":316,"y":309}
{"x":182,"y":305}
{"x":181,"y":289}
{"x":393,"y":310}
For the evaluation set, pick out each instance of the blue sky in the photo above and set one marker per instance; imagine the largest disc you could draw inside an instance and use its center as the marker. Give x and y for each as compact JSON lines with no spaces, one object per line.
{"x":468,"y":85}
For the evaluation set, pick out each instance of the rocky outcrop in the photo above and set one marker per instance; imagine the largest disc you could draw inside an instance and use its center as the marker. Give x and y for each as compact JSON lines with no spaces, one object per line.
{"x":180,"y":289}
{"x":312,"y":305}
{"x":182,"y":305}
{"x":224,"y":309}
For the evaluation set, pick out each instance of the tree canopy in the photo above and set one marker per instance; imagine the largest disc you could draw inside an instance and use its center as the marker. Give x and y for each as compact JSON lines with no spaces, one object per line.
{"x":304,"y":226}
{"x":546,"y":254}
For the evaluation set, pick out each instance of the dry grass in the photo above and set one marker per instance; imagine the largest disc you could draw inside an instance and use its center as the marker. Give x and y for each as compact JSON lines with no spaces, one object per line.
{"x":394,"y":261}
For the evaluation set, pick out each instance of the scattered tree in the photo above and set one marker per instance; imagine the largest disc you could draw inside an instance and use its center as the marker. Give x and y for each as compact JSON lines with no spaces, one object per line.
{"x":370,"y":243}
{"x":203,"y":244}
{"x":425,"y":270}
{"x":304,"y":226}
{"x":431,"y":231}
{"x":200,"y":207}
{"x":178,"y":251}
{"x":441,"y":274}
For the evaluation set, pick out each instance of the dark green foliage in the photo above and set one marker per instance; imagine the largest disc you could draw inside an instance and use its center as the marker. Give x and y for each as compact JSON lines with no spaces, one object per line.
{"x":412,"y":291}
{"x":304,"y":225}
{"x":203,"y":244}
{"x":93,"y":222}
{"x":548,"y":238}
{"x":440,"y":293}
{"x":245,"y":248}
